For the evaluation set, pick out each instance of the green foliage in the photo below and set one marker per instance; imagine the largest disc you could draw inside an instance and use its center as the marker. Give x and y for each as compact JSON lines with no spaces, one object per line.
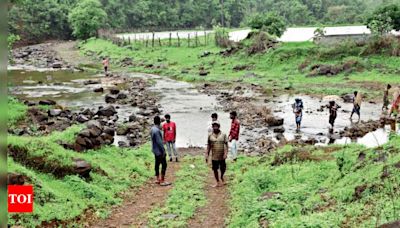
{"x":271,"y":23}
{"x":319,"y":193}
{"x":114,"y":170}
{"x":86,"y":18}
{"x":16,"y":111}
{"x":384,"y":19}
{"x":185,"y":197}
{"x":36,"y":20}
{"x":11,"y":39}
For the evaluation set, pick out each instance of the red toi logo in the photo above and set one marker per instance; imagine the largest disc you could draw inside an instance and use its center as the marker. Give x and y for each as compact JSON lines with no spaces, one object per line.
{"x":20,"y":198}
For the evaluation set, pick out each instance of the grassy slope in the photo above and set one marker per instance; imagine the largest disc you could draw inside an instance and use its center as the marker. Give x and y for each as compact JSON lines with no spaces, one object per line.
{"x":185,"y":197}
{"x":67,"y":198}
{"x":279,"y":66}
{"x":318,"y":193}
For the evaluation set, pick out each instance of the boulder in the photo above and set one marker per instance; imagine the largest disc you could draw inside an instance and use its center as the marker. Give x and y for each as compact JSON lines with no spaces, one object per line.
{"x":273,"y":121}
{"x":106,"y":111}
{"x":47,"y":102}
{"x":110,"y":98}
{"x":82,"y":168}
{"x":54,"y":112}
{"x":82,"y":118}
{"x":203,"y":73}
{"x":109,"y":130}
{"x":121,"y":96}
{"x":114,"y":91}
{"x":98,"y":90}
{"x":57,"y":65}
{"x":279,"y":130}
{"x":132,"y":118}
{"x":348,"y":98}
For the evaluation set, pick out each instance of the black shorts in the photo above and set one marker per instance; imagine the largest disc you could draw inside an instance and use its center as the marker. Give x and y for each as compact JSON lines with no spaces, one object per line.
{"x":218,"y":164}
{"x":105,"y":68}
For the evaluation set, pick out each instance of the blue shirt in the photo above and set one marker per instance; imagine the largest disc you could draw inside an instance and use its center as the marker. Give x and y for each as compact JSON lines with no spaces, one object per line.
{"x":157,"y":144}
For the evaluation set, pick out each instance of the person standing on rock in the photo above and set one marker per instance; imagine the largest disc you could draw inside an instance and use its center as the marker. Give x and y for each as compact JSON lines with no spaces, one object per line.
{"x":298,"y":112}
{"x":386,"y":97}
{"x":356,"y":105}
{"x":158,"y":149}
{"x":217,"y":144}
{"x":234,"y":134}
{"x":169,"y":129}
{"x":333,"y":108}
{"x":106,"y":63}
{"x":214,"y":117}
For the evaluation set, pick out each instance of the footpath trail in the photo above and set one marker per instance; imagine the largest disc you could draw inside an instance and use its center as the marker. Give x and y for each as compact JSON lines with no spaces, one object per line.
{"x":69,"y":53}
{"x":213,"y":214}
{"x":133,"y":212}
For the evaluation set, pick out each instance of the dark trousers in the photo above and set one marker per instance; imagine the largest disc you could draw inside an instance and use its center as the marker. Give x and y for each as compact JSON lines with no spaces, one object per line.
{"x":161,"y":160}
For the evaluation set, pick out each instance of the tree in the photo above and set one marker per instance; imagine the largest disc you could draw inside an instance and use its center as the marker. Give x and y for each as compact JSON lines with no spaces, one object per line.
{"x":384,"y":19}
{"x":270,"y":23}
{"x":86,"y":18}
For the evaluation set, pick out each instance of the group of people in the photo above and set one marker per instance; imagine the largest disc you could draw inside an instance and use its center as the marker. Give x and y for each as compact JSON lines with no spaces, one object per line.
{"x":217,"y":145}
{"x":357,"y":100}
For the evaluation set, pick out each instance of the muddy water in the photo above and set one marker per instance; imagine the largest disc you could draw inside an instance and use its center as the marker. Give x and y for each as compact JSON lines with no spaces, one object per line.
{"x":315,"y":123}
{"x":190,"y":109}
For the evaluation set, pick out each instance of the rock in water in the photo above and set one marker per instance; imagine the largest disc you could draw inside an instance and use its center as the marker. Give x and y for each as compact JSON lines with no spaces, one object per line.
{"x":107,"y":111}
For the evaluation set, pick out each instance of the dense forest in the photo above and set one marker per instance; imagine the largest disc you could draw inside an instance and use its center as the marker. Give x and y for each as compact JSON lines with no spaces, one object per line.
{"x":37,"y":20}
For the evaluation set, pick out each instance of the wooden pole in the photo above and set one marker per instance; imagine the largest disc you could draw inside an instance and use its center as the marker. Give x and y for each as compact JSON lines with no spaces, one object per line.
{"x":170,"y":39}
{"x":188,"y":39}
{"x":152,"y":40}
{"x":179,"y":40}
{"x":205,"y":38}
{"x":159,"y":41}
{"x":196,"y":39}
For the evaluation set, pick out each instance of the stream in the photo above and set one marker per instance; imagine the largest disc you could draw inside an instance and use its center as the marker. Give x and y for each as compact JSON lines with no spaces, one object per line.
{"x":189,"y":109}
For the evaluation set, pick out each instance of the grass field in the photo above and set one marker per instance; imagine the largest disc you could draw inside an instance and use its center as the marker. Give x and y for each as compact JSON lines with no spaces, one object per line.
{"x":275,"y":70}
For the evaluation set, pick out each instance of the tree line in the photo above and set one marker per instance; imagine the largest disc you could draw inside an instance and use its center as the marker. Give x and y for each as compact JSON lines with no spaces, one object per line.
{"x":38,"y":20}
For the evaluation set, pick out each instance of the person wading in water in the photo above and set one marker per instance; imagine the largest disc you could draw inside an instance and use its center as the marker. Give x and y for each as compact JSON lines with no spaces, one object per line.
{"x":298,"y":112}
{"x":106,"y":63}
{"x":356,"y":105}
{"x":158,"y":149}
{"x":218,"y":145}
{"x":386,"y":97}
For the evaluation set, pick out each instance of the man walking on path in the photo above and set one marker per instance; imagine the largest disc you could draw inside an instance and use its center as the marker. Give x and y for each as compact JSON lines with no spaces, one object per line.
{"x":234,"y":134}
{"x":214,"y":117}
{"x":356,"y":105}
{"x":105,"y":63}
{"x":386,"y":97}
{"x":218,"y":144}
{"x":169,"y":129}
{"x":157,"y":147}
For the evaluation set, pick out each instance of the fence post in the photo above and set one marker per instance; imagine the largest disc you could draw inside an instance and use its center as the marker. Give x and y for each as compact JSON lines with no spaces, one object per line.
{"x":170,"y":37}
{"x":188,"y":39}
{"x":147,"y":41}
{"x":196,"y":41}
{"x":159,"y":41}
{"x":152,"y":40}
{"x":129,"y":40}
{"x":179,"y":40}
{"x":205,"y":38}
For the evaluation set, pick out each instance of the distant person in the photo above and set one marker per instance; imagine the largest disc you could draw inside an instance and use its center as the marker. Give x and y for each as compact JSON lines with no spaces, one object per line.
{"x":395,"y":108}
{"x":158,"y":151}
{"x":169,"y":129}
{"x":333,"y":108}
{"x":106,"y":63}
{"x":217,"y":143}
{"x":214,"y":117}
{"x":386,"y":97}
{"x":298,"y":112}
{"x":356,"y":105}
{"x":234,"y":135}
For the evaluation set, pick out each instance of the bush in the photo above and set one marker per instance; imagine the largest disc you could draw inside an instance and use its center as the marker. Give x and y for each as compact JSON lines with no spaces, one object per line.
{"x":222,"y":37}
{"x":86,"y":18}
{"x":384,"y":19}
{"x":270,"y":23}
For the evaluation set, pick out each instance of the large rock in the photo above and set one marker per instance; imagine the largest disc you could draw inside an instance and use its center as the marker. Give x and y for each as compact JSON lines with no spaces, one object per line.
{"x":98,"y":90}
{"x":132,"y":118}
{"x":110,"y":98}
{"x":273,"y":121}
{"x":348,"y":98}
{"x":114,"y":91}
{"x":82,"y":118}
{"x":106,"y":111}
{"x":54,"y":112}
{"x":82,"y":167}
{"x":57,"y":65}
{"x":121,"y":96}
{"x":47,"y":102}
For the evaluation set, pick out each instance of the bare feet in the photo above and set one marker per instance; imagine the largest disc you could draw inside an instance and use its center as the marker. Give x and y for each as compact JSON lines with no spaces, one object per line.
{"x":216,"y":185}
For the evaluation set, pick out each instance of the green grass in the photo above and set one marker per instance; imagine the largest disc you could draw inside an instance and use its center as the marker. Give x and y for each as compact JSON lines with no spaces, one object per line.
{"x":186,"y":195}
{"x":64,"y":199}
{"x":319,"y":192}
{"x":275,"y":69}
{"x":16,"y":111}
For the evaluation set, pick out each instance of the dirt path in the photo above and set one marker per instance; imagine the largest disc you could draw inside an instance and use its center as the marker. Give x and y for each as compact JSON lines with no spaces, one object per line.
{"x":138,"y":203}
{"x":70,"y":54}
{"x":213,"y":214}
